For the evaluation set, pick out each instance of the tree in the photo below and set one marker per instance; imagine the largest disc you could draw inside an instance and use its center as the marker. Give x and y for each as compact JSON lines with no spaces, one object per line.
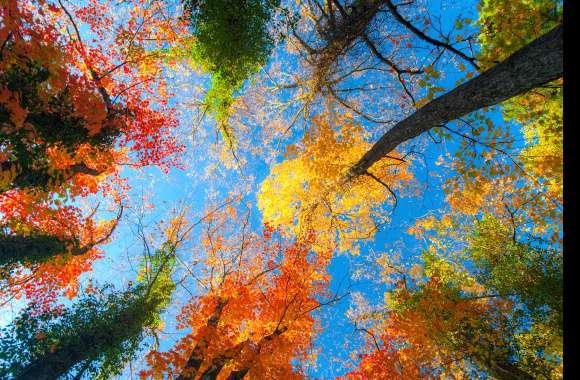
{"x":40,"y":89}
{"x":101,"y":331}
{"x":39,"y":248}
{"x":86,"y":90}
{"x":479,"y":299}
{"x":255,"y":314}
{"x":231,"y":41}
{"x":535,"y":64}
{"x":513,"y":76}
{"x":71,"y":116}
{"x":45,"y":249}
{"x":380,"y":40}
{"x":323,"y":155}
{"x":520,"y":171}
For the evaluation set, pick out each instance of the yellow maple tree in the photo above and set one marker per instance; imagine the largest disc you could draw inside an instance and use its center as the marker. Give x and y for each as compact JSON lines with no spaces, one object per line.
{"x":304,"y":193}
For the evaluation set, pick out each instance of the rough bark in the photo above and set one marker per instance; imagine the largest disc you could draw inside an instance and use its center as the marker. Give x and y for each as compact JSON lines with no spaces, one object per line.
{"x":533,"y":65}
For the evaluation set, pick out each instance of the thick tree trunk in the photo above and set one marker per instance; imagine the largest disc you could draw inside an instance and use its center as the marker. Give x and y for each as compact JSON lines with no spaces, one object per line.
{"x":16,"y":249}
{"x":533,"y":65}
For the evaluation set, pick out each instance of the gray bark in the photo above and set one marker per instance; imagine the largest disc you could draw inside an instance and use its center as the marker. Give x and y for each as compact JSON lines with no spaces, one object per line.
{"x":533,"y":65}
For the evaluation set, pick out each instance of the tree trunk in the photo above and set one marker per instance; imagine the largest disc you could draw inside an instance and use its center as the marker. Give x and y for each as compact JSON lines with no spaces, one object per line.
{"x":533,"y":65}
{"x":189,"y":371}
{"x":238,"y":374}
{"x":16,"y":249}
{"x":39,"y":248}
{"x":28,"y":178}
{"x":507,"y":371}
{"x":341,"y":35}
{"x":56,"y":364}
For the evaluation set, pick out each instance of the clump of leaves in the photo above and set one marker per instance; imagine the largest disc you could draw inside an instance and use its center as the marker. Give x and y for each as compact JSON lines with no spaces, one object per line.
{"x":515,"y":268}
{"x":232,"y":42}
{"x":540,"y":112}
{"x":33,"y":120}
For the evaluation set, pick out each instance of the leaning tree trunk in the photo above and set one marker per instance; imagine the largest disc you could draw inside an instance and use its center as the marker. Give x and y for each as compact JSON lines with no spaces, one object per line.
{"x":17,"y":248}
{"x":533,"y":65}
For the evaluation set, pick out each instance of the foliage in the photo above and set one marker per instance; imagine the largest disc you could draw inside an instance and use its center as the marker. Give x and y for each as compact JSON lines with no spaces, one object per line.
{"x":71,"y":114}
{"x":540,"y":111}
{"x":85,"y":92}
{"x":38,"y":154}
{"x":482,"y":301}
{"x":97,"y":335}
{"x":255,"y":313}
{"x":513,"y":268}
{"x":289,"y":196}
{"x":508,"y":25}
{"x":231,"y":42}
{"x":44,"y":276}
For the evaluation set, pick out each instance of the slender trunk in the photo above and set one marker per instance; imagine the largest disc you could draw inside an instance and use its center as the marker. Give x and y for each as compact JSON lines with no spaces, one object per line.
{"x":535,"y":64}
{"x":197,"y":356}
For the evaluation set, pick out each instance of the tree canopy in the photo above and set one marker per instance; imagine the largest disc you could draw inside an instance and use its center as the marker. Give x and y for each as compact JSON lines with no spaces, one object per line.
{"x":268,"y":189}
